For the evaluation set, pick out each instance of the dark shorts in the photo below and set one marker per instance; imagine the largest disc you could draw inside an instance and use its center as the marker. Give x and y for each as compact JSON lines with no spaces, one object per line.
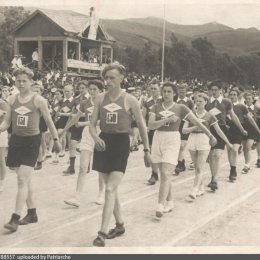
{"x":133,"y":124}
{"x":43,"y":127}
{"x":76,"y":133}
{"x":23,"y":150}
{"x":251,"y":132}
{"x":60,"y":124}
{"x":9,"y":130}
{"x":115,"y":157}
{"x":234,"y":135}
{"x":150,"y":137}
{"x":220,"y":142}
{"x":184,"y":137}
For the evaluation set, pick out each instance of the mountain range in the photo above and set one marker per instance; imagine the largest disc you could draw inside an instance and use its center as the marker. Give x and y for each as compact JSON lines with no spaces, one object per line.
{"x":135,"y":32}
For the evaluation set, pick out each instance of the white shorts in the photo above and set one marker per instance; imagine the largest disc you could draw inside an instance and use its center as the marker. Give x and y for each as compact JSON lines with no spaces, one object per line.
{"x":198,"y":142}
{"x":4,"y":139}
{"x":87,"y":142}
{"x":165,"y":147}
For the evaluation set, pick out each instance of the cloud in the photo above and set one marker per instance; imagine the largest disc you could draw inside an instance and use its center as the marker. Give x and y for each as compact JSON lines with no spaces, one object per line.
{"x":234,"y":13}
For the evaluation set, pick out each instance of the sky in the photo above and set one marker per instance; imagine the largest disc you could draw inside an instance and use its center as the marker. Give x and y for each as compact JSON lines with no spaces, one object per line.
{"x":233,"y":13}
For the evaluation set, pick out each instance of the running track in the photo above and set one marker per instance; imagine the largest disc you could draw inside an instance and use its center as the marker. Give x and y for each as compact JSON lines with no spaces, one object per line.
{"x":230,"y":217}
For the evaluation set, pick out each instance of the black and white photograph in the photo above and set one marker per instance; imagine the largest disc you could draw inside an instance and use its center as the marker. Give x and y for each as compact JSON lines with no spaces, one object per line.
{"x":129,"y":127}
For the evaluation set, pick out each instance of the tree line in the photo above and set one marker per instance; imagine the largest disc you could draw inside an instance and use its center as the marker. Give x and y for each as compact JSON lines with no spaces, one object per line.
{"x":199,"y":61}
{"x":182,"y":62}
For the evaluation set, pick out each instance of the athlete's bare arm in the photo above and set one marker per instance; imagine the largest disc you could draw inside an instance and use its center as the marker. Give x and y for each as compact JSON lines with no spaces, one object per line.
{"x":252,"y":122}
{"x":7,"y":120}
{"x":193,"y":119}
{"x":99,"y":143}
{"x":42,"y":105}
{"x":144,"y":111}
{"x":73,"y":120}
{"x":135,"y":109}
{"x":187,"y":130}
{"x":237,"y":122}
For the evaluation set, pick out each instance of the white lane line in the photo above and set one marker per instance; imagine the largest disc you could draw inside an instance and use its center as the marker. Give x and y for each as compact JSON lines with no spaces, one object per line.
{"x":93,"y":175}
{"x":82,"y":219}
{"x":210,"y":217}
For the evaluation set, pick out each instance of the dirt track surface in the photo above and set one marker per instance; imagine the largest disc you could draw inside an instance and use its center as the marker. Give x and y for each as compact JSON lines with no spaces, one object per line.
{"x":229,"y":217}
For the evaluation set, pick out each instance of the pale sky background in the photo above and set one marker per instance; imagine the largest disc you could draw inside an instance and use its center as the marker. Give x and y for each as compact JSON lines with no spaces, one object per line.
{"x":234,"y":13}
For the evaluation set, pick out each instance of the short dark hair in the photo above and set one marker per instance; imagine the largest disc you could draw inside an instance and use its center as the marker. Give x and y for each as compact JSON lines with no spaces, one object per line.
{"x":215,"y":83}
{"x":173,"y":86}
{"x":154,"y":81}
{"x":114,"y":66}
{"x":234,"y":90}
{"x":249,"y":94}
{"x":24,"y":71}
{"x":83,"y":82}
{"x":60,"y":91}
{"x":97,"y":83}
{"x":182,"y":85}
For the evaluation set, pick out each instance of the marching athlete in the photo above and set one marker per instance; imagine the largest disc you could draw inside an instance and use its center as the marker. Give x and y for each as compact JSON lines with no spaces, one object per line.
{"x":114,"y":109}
{"x":198,"y":142}
{"x":24,"y":113}
{"x":3,"y":144}
{"x":166,"y":118}
{"x":252,"y":130}
{"x":87,"y":143}
{"x":183,"y":99}
{"x":221,"y":108}
{"x":153,"y":99}
{"x":76,"y":130}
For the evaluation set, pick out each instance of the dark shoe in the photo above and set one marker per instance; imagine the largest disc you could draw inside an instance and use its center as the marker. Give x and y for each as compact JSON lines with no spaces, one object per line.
{"x":151,"y":181}
{"x":213,"y":185}
{"x":31,"y":217}
{"x":209,"y":185}
{"x":232,"y":178}
{"x":233,"y":175}
{"x":136,"y":148}
{"x":182,"y":168}
{"x":69,"y":171}
{"x":245,"y":170}
{"x":38,"y":166}
{"x":177,"y":168}
{"x":117,"y":231}
{"x":13,"y":224}
{"x":100,"y":240}
{"x":258,"y":163}
{"x":62,"y":154}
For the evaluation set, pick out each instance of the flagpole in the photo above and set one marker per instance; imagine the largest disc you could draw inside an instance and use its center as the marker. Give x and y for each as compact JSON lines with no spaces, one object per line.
{"x":162,"y":74}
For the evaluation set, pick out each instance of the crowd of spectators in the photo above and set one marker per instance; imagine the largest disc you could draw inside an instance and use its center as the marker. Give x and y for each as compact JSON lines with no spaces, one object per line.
{"x":55,"y":79}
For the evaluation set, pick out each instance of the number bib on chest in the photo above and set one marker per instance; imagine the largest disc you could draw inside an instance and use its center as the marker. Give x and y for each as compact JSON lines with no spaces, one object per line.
{"x":22,"y":120}
{"x":165,"y":114}
{"x":214,"y":111}
{"x":111,"y":118}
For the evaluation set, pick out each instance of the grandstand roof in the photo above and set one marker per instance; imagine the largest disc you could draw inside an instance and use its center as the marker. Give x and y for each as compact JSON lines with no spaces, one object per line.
{"x":67,"y":20}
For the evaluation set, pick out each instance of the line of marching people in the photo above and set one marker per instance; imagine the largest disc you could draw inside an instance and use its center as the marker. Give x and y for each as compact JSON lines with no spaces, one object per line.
{"x":103,"y":121}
